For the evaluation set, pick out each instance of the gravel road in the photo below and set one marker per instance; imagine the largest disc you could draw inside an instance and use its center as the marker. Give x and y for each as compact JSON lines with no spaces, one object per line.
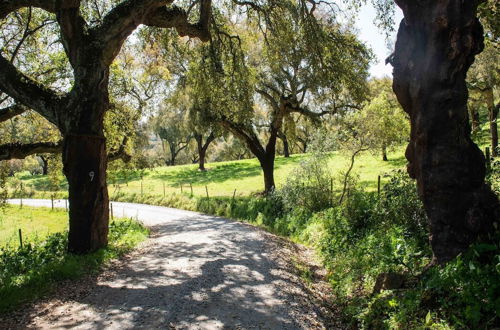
{"x":195,"y":272}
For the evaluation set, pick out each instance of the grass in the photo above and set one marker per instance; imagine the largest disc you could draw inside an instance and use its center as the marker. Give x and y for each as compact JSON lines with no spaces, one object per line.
{"x":35,"y":223}
{"x":33,"y":270}
{"x":220,"y":179}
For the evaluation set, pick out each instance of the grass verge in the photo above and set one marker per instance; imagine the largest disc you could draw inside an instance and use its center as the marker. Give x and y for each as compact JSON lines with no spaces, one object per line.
{"x":31,"y":271}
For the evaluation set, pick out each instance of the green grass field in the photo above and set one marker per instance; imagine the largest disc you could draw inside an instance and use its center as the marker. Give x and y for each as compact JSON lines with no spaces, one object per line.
{"x":35,"y":224}
{"x":221,"y":179}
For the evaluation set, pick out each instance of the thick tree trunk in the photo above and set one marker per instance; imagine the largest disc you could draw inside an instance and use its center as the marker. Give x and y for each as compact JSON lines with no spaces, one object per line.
{"x":85,"y":162}
{"x":267,"y":164}
{"x":437,"y":42}
{"x":492,"y":116}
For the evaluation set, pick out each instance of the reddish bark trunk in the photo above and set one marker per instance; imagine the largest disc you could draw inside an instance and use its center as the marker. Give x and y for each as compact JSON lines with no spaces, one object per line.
{"x":437,"y":42}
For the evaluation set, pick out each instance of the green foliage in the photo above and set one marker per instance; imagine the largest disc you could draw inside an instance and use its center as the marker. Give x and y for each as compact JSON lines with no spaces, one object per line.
{"x":32,"y":270}
{"x":310,"y":185}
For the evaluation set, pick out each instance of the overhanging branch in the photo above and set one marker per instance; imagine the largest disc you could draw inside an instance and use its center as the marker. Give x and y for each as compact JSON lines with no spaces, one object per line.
{"x":21,"y":151}
{"x":12,"y":111}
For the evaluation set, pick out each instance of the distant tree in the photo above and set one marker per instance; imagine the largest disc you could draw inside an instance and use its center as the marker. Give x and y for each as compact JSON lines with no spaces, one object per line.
{"x":171,"y":126}
{"x":384,"y":119}
{"x":322,"y":73}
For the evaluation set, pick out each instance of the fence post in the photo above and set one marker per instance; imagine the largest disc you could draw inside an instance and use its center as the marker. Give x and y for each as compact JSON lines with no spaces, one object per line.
{"x":164,"y":195}
{"x":66,"y":204}
{"x":206,"y":189}
{"x":191,"y":186}
{"x":378,"y":186}
{"x":52,"y":201}
{"x":111,"y":209}
{"x":20,"y":237}
{"x":331,"y":192}
{"x":21,"y":195}
{"x":234,"y":194}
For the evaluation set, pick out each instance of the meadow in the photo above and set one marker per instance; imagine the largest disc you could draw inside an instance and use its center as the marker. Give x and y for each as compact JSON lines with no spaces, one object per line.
{"x":221,"y":179}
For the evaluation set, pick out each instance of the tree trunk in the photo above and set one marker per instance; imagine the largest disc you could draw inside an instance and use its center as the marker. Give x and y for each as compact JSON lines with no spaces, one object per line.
{"x":436,"y":44}
{"x":474,"y":118}
{"x":267,"y":164}
{"x":286,"y":147}
{"x":384,"y":154}
{"x":202,"y":153}
{"x":45,"y":165}
{"x":85,"y":162}
{"x":492,"y":116}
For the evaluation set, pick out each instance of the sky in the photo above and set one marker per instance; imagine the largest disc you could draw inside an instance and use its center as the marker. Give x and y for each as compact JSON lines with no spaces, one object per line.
{"x":375,"y":38}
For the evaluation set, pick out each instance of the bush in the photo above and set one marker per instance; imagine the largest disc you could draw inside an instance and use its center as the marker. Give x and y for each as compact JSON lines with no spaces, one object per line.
{"x":309,"y":186}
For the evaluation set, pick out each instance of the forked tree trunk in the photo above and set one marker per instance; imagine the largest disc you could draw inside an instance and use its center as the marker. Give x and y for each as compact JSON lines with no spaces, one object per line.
{"x":436,"y":44}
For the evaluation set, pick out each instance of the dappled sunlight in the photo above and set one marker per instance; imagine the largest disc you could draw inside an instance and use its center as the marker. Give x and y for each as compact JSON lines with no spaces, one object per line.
{"x":197,"y":271}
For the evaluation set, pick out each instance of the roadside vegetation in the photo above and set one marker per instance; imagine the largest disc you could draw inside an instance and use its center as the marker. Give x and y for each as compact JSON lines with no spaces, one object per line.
{"x":32,"y":270}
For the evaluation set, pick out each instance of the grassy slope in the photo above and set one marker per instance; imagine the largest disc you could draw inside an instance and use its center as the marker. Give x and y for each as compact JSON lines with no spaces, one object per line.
{"x":223,"y":178}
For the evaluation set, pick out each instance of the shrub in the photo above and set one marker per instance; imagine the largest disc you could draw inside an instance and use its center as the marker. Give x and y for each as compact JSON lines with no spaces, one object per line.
{"x":309,"y":186}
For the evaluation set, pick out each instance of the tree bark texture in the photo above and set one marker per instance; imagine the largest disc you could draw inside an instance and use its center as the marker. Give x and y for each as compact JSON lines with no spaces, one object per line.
{"x":85,"y":161}
{"x":436,"y":44}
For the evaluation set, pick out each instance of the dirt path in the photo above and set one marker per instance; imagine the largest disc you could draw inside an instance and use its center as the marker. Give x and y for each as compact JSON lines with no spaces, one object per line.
{"x":196,"y":272}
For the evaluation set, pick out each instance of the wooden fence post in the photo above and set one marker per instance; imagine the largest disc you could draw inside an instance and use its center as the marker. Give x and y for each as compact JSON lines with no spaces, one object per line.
{"x":206,"y":189}
{"x":66,"y":204}
{"x":52,"y":201}
{"x":191,"y":186}
{"x":20,"y":237}
{"x":111,"y":210}
{"x":164,"y":194}
{"x":378,"y":186}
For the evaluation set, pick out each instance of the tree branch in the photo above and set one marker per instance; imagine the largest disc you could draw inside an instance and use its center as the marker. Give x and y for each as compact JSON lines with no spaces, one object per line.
{"x":28,"y":92}
{"x":72,"y":27}
{"x":12,"y":111}
{"x":21,"y":151}
{"x":128,"y":15}
{"x":121,"y":153}
{"x":8,"y":6}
